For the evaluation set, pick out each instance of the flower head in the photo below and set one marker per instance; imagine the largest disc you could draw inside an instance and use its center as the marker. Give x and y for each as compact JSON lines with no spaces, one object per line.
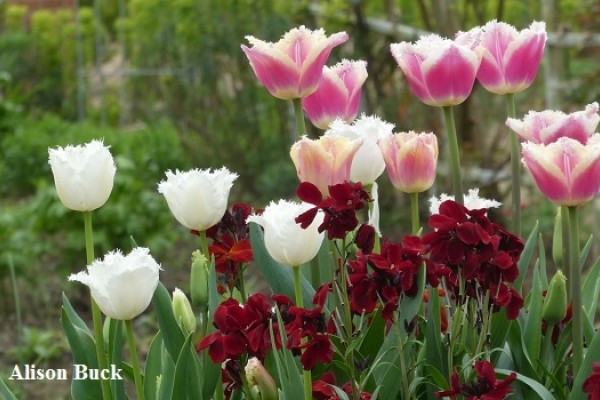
{"x":324,"y":161}
{"x":410,"y":160}
{"x":485,"y":386}
{"x":439,"y":71}
{"x":338,"y":94}
{"x":122,"y":285}
{"x":83,"y":175}
{"x":286,"y":241}
{"x":291,"y":68}
{"x":198,"y":198}
{"x":566,"y":171}
{"x":591,"y":386}
{"x":548,"y":126}
{"x":510,"y":58}
{"x":368,"y":163}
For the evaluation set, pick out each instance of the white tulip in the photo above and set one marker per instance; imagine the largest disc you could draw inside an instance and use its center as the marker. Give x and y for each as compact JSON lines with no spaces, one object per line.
{"x":472,"y":201}
{"x":122,"y":286}
{"x":198,"y":198}
{"x":285,"y":239}
{"x":83,"y":175}
{"x":368,"y":163}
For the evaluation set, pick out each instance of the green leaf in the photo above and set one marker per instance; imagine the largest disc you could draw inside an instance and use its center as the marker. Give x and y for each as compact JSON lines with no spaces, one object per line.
{"x":83,"y":349}
{"x":278,"y":276}
{"x":409,"y":306}
{"x":205,"y":370}
{"x":171,"y":333}
{"x":115,"y":345}
{"x":73,"y":316}
{"x":167,"y":375}
{"x":537,"y":387}
{"x":288,"y":372}
{"x":526,"y":256}
{"x":591,"y":290}
{"x":592,"y":355}
{"x":153,"y":367}
{"x":181,"y":371}
{"x":532,"y":329}
{"x":585,"y":251}
{"x":5,"y":392}
{"x":435,"y":355}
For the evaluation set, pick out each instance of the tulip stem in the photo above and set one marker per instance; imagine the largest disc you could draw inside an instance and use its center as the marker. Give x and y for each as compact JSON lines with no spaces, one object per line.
{"x":204,"y":313}
{"x":299,"y":113}
{"x":566,"y":258}
{"x":515,"y":164}
{"x":453,"y":154}
{"x":137,"y":376}
{"x":414,"y":208}
{"x":576,"y":301}
{"x":96,"y":314}
{"x":300,"y":303}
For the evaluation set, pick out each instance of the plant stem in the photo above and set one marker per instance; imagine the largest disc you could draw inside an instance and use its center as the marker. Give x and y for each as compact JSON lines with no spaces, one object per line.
{"x":299,"y":113}
{"x":300,"y":303}
{"x":15,"y":287}
{"x":515,"y":164}
{"x":414,"y":209}
{"x":453,"y":154}
{"x":135,"y":365}
{"x":96,"y":314}
{"x":204,"y":312}
{"x":566,"y":258}
{"x":576,"y":302}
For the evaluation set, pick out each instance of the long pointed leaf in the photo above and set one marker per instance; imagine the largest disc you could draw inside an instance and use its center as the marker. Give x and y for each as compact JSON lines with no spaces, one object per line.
{"x":526,"y":256}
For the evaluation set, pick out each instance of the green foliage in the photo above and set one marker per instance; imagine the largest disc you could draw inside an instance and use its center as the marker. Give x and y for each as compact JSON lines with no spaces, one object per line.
{"x":39,"y":346}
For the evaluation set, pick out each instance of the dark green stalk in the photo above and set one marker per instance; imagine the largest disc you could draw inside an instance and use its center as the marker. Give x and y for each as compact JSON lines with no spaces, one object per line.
{"x":414,"y":212}
{"x":453,"y":154}
{"x":566,"y":257}
{"x":96,"y":314}
{"x":135,"y":364}
{"x":515,"y":166}
{"x":576,"y":301}
{"x":299,"y":113}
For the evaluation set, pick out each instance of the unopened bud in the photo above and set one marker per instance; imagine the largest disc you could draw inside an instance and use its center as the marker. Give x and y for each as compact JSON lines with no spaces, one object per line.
{"x":555,"y":306}
{"x":183,"y":312}
{"x":259,"y":378}
{"x":199,"y":281}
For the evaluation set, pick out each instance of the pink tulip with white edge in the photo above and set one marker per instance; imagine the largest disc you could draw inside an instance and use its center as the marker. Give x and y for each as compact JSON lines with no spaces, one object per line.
{"x":440,"y":72}
{"x":291,"y":68}
{"x":567,"y":172}
{"x":548,"y":126}
{"x":338,"y":94}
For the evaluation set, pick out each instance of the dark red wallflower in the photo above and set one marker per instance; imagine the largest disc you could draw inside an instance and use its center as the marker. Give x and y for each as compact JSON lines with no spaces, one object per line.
{"x":484,"y":387}
{"x":468,"y":246}
{"x":339,"y":209}
{"x":323,"y":388}
{"x":591,"y":386}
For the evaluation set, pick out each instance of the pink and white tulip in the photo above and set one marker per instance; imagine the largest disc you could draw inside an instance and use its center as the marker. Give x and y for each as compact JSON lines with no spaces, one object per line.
{"x":566,"y":171}
{"x":410,"y":160}
{"x":510,"y":58}
{"x":324,"y":161}
{"x":338,"y":94}
{"x":291,"y":68}
{"x":548,"y":126}
{"x":439,"y":71}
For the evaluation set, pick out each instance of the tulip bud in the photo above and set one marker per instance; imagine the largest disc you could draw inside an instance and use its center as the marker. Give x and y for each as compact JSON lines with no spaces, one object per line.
{"x":555,"y":306}
{"x":199,"y":280}
{"x":183,"y":312}
{"x":259,"y":378}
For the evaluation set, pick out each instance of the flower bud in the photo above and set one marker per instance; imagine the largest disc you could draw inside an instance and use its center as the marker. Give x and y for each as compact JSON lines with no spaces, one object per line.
{"x":183,"y":312}
{"x":555,"y":306}
{"x":199,"y":281}
{"x":259,"y":378}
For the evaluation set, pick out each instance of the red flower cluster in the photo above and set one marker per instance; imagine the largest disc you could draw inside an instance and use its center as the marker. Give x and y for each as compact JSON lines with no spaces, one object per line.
{"x":339,"y":208}
{"x":591,"y":386}
{"x":323,"y":388}
{"x":245,"y":329}
{"x":484,"y":387}
{"x":481,"y":253}
{"x":231,"y":245}
{"x":392,"y":273}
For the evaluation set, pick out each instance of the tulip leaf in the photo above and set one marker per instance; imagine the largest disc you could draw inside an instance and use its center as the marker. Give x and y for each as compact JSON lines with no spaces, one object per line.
{"x":73,"y":316}
{"x":435,"y":355}
{"x":591,"y":290}
{"x":278,"y":276}
{"x":153,"y":367}
{"x":115,"y":345}
{"x":164,"y":386}
{"x":585,"y":251}
{"x":171,"y":333}
{"x":210,"y":371}
{"x":592,"y":356}
{"x":287,"y":369}
{"x":537,"y":387}
{"x":526,"y":256}
{"x":181,"y":371}
{"x":409,"y":305}
{"x":5,"y":392}
{"x":533,"y":323}
{"x":84,"y":352}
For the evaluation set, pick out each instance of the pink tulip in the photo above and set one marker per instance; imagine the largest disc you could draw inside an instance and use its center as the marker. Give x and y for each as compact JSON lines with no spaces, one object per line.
{"x":510,"y":58}
{"x":439,"y":71}
{"x":548,"y":126}
{"x":338,"y":94}
{"x":291,"y":68}
{"x":324,"y":161}
{"x":410,"y":160}
{"x":566,"y":171}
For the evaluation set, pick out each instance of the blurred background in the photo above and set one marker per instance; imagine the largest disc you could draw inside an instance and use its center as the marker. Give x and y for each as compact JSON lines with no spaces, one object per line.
{"x":166,"y":85}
